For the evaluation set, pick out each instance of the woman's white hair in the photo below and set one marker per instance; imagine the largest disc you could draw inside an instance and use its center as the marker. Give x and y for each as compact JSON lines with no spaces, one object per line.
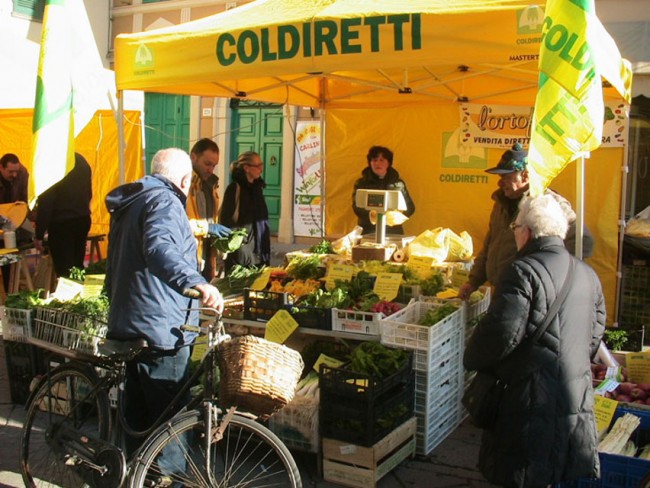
{"x":543,"y":215}
{"x":172,"y":163}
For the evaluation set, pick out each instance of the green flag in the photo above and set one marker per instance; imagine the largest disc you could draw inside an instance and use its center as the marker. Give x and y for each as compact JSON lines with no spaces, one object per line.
{"x":70,"y":73}
{"x":576,"y":53}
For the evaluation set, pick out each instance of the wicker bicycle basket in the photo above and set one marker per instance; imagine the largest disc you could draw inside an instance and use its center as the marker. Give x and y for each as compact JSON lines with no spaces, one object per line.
{"x":257,"y":376}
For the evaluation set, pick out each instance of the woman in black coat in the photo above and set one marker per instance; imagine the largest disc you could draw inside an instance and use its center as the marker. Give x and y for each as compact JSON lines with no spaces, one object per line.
{"x":244,"y":207}
{"x":545,"y":431}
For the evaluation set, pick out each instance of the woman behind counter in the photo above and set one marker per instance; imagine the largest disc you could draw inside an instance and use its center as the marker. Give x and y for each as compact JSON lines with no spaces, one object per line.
{"x":380,"y":175}
{"x":244,"y":207}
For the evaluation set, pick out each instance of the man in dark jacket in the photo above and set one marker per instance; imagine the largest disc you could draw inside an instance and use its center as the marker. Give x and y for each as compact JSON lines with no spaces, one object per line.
{"x":545,"y":430}
{"x":499,"y":247}
{"x":151,"y":260}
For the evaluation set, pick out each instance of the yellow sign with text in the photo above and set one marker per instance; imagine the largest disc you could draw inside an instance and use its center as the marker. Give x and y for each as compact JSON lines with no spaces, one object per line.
{"x":280,"y":327}
{"x":387,"y":285}
{"x":338,"y":271}
{"x":638,"y":367}
{"x":604,"y":409}
{"x":262,"y":280}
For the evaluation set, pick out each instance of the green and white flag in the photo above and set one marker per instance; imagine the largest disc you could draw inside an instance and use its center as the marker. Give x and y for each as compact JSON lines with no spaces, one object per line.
{"x":575,"y":54}
{"x":70,"y":74}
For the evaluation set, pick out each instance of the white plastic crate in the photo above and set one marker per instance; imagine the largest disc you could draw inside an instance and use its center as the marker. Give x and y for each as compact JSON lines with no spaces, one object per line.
{"x":434,"y":426}
{"x":480,"y":307}
{"x":400,"y":330}
{"x":296,"y":424}
{"x":63,"y":330}
{"x":448,"y":341}
{"x":356,"y":321}
{"x":16,"y":323}
{"x":434,"y":388}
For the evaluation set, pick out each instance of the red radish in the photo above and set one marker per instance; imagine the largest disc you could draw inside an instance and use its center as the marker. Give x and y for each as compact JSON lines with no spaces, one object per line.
{"x":644,"y":386}
{"x":638,"y":394}
{"x":626,"y":388}
{"x":624,"y":398}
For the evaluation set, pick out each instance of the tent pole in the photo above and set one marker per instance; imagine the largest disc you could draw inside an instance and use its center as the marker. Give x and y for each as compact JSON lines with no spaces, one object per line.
{"x":580,"y":204}
{"x":621,"y":221}
{"x":323,"y":152}
{"x":120,"y":133}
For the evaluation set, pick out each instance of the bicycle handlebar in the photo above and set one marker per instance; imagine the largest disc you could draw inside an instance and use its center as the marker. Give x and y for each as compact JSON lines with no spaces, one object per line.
{"x":192,"y":293}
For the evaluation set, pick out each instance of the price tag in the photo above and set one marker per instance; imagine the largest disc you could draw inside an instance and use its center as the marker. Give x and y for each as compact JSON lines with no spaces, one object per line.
{"x":606,"y":385}
{"x":338,"y":271}
{"x":420,"y":262}
{"x":604,"y":409}
{"x":459,"y":277}
{"x":67,"y":289}
{"x":387,"y":285}
{"x":327,"y":361}
{"x":198,"y":350}
{"x":638,"y":367}
{"x":280,"y":327}
{"x":262,"y":280}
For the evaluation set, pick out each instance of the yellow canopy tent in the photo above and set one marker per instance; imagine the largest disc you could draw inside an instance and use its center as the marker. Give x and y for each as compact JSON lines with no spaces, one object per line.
{"x":383,"y":72}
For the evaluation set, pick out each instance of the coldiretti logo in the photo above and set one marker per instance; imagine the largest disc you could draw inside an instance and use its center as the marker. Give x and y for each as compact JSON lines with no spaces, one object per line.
{"x":357,"y":35}
{"x":143,"y":57}
{"x":529,"y":20}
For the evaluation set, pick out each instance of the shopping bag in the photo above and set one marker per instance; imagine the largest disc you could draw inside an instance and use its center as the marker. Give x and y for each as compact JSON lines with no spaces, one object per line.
{"x":482,"y":399}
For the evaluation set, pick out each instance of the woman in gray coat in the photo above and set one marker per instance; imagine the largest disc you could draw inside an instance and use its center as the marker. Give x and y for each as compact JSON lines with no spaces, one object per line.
{"x":545,"y":431}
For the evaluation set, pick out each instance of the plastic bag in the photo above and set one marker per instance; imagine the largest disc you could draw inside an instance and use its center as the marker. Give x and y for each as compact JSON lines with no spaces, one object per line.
{"x":461,"y":246}
{"x":431,"y":243}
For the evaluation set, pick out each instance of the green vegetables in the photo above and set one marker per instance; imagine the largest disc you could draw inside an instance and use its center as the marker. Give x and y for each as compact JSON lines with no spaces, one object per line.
{"x":435,"y":315}
{"x":304,"y":268}
{"x":25,"y":299}
{"x":323,"y":247}
{"x":240,"y":277}
{"x":231,"y":242}
{"x":432,"y":285}
{"x":376,"y":360}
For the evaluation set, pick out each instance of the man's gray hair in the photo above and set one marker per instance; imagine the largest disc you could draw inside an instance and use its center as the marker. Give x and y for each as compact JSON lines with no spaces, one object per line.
{"x":172,"y":163}
{"x":543,"y":215}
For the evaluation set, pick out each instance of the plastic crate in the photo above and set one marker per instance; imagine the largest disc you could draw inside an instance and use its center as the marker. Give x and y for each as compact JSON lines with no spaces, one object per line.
{"x":16,"y":323}
{"x":621,"y":471}
{"x":66,"y":330}
{"x":356,"y":321}
{"x":263,"y":304}
{"x":401,"y":330}
{"x":434,"y":388}
{"x":233,"y":308}
{"x":435,"y":425}
{"x":296,"y":424}
{"x":311,"y":317}
{"x":407,"y":292}
{"x":364,"y":422}
{"x":476,"y":309}
{"x":635,"y":297}
{"x":447,"y":341}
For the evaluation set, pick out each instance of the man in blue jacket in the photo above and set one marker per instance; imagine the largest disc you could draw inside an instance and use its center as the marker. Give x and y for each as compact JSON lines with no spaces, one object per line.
{"x":151,"y":260}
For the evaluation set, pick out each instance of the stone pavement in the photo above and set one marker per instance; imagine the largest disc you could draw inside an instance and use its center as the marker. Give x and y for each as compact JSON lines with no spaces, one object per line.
{"x":451,"y":464}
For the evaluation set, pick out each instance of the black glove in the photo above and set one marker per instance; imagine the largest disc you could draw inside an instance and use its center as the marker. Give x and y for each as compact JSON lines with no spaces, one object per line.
{"x":218,"y":230}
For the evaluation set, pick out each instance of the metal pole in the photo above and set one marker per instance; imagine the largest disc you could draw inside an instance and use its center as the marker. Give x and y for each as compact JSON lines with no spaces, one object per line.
{"x":580,"y":204}
{"x":120,"y":134}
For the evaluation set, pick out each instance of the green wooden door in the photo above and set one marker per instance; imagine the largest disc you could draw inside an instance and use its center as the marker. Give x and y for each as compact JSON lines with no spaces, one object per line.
{"x":258,"y":127}
{"x":167,"y":119}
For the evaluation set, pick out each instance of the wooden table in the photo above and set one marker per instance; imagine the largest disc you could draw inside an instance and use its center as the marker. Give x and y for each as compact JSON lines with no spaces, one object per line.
{"x":95,"y":254}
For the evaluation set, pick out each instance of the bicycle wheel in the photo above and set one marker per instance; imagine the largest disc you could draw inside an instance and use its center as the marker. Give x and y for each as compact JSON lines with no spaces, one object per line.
{"x":63,"y":403}
{"x":249,"y":455}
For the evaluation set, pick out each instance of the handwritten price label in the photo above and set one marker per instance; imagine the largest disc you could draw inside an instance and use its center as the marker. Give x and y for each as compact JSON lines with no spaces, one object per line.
{"x":387,"y":285}
{"x":338,"y":271}
{"x":280,"y":327}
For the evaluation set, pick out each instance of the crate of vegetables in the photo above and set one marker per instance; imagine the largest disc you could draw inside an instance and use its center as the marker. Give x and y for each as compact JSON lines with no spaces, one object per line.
{"x":368,"y":397}
{"x":311,"y":317}
{"x":362,"y":322}
{"x":422,"y":325}
{"x":263,"y":304}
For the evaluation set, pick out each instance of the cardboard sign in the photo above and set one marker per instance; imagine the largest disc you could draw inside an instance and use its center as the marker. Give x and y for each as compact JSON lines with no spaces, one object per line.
{"x":338,"y":271}
{"x":387,"y":285}
{"x":262,"y":280}
{"x":280,"y":327}
{"x":420,"y":262}
{"x":67,"y":289}
{"x":459,"y":277}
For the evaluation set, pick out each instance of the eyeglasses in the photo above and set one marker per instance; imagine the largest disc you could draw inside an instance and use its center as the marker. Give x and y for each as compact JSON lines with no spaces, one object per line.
{"x":514,"y":225}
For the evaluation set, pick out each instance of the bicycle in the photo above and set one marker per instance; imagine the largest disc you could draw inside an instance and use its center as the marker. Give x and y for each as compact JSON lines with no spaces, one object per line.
{"x":72,"y":436}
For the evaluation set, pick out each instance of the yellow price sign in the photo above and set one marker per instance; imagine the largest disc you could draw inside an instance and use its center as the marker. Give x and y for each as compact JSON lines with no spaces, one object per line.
{"x":327,"y":361}
{"x":638,"y":367}
{"x":387,"y":285}
{"x":459,"y":277}
{"x":338,"y":271}
{"x":420,"y":262}
{"x":280,"y":327}
{"x":262,"y":280}
{"x":604,"y":409}
{"x":198,"y":350}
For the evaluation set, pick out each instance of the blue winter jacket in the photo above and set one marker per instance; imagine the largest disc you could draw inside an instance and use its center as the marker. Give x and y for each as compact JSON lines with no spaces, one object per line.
{"x":151,"y":260}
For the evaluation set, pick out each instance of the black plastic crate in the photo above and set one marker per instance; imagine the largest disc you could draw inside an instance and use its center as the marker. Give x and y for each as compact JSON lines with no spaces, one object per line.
{"x":23,"y":364}
{"x":362,"y":421}
{"x":263,"y":304}
{"x":359,"y":386}
{"x":311,"y":317}
{"x":634,"y":311}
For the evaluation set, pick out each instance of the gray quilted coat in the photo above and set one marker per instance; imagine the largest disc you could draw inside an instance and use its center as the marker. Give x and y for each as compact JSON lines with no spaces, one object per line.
{"x":545,"y":431}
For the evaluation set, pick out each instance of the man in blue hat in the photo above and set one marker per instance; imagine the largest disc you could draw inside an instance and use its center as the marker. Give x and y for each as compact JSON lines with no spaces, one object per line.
{"x":499,"y":247}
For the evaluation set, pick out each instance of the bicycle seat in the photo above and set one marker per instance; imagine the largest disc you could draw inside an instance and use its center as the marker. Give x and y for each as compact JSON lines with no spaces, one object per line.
{"x":122,"y":349}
